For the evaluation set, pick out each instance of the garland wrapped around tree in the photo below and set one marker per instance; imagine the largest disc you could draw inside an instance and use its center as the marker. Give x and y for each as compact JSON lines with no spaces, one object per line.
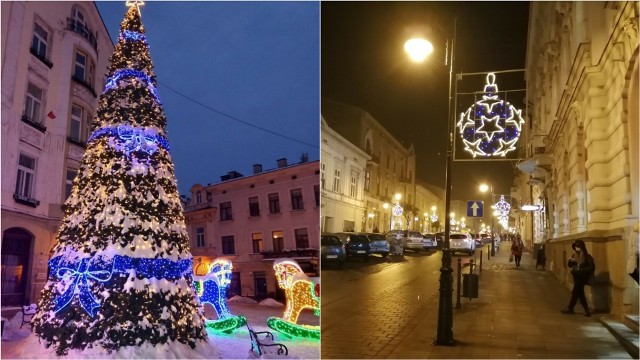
{"x":120,"y":273}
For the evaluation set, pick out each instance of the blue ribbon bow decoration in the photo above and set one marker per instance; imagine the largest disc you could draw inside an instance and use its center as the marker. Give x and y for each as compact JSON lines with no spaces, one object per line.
{"x":137,"y":139}
{"x":80,"y":286}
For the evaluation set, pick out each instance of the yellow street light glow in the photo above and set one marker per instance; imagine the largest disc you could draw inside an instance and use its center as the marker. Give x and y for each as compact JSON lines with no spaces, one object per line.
{"x":433,"y":208}
{"x":484,"y":187}
{"x":385,"y":205}
{"x":398,"y":197}
{"x":418,"y":49}
{"x":452,"y":215}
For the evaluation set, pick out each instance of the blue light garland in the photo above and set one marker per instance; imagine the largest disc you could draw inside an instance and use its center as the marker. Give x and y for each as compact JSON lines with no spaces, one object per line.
{"x":112,"y":82}
{"x":134,"y":138}
{"x":133,"y":35}
{"x":97,"y":269}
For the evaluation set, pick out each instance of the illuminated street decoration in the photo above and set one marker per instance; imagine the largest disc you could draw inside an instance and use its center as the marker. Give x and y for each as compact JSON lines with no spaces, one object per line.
{"x":301,"y":293}
{"x":212,"y":289}
{"x":397,"y":210}
{"x":491,"y":127}
{"x":502,"y":207}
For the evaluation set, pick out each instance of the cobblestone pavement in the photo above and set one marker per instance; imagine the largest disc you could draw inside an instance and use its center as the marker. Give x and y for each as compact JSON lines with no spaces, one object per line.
{"x":386,"y":309}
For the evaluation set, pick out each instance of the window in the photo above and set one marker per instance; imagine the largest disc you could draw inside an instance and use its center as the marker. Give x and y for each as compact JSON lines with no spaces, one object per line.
{"x":26,"y":174}
{"x":228,"y":245}
{"x":80,"y":66}
{"x":75,"y":128}
{"x":39,"y":42}
{"x":316,"y":190}
{"x":336,"y":180}
{"x":302,"y":239}
{"x":71,"y":174}
{"x":367,"y":180}
{"x":274,"y":203}
{"x":322,"y":167}
{"x":256,"y":239}
{"x":199,"y":197}
{"x":254,"y":206}
{"x":225,"y":211}
{"x":278,"y":241}
{"x":200,"y":237}
{"x":33,"y":104}
{"x":79,"y":17}
{"x":353,"y":188}
{"x":296,"y":199}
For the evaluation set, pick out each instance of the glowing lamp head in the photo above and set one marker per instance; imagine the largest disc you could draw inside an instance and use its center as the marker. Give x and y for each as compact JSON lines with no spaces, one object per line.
{"x":418,"y":49}
{"x":484,"y":187}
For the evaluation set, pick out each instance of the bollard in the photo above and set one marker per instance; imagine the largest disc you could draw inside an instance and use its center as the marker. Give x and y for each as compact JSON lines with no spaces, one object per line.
{"x":471,"y":266}
{"x":480,"y":271}
{"x":458,"y":304}
{"x":488,"y":255}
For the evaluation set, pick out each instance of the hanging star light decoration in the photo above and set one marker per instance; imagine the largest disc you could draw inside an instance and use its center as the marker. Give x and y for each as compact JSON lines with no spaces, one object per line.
{"x":490,"y":127}
{"x":136,"y":3}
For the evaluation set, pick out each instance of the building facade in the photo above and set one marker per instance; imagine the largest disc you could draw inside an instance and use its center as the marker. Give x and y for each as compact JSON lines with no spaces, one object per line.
{"x":582,"y":153}
{"x":390,"y":171}
{"x":342,"y":176}
{"x":55,"y":56}
{"x":429,"y":199}
{"x":252,"y":220}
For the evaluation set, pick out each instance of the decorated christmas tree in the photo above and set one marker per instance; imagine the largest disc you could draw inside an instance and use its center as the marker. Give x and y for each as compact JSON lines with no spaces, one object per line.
{"x":120,"y":273}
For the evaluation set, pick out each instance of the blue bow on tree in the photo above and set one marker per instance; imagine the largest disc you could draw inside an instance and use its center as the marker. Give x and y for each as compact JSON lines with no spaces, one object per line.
{"x":137,"y":139}
{"x":80,"y":286}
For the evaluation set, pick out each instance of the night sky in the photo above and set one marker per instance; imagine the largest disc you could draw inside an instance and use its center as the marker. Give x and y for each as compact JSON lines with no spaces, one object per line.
{"x":364,"y":65}
{"x":257,"y":62}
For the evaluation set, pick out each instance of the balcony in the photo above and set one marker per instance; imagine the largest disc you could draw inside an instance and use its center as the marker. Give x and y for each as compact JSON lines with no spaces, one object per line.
{"x":291,"y":254}
{"x":82,"y":30}
{"x":26,"y":200}
{"x":375,"y":160}
{"x":85,"y":84}
{"x":37,"y":125}
{"x":44,"y":60}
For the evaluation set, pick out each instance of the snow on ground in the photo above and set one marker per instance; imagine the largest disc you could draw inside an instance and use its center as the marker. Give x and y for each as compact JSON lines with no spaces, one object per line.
{"x":21,"y":344}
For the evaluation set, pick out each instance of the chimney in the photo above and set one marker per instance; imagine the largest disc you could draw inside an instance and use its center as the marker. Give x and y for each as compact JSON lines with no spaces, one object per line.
{"x":257,"y":168}
{"x":230,"y":175}
{"x":304,"y":157}
{"x":282,"y":163}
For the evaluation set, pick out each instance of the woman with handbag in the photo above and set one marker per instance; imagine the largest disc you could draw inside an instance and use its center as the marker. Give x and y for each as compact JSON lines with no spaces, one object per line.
{"x":582,"y":268}
{"x":516,"y":250}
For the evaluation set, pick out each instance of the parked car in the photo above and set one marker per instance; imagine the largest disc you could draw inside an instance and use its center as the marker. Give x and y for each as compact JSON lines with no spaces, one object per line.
{"x":440,"y":239}
{"x":429,"y":241}
{"x":411,"y":239}
{"x":378,"y":244}
{"x":486,"y":238}
{"x":478,"y":240}
{"x":357,"y":246}
{"x":396,"y":241}
{"x":460,"y":242}
{"x":331,"y":250}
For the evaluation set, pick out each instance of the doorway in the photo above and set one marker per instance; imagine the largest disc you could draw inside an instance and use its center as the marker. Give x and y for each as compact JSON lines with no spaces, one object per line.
{"x":16,"y":244}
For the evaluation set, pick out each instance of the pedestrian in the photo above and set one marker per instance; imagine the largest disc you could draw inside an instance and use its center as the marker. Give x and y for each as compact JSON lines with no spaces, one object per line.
{"x":516,"y":250}
{"x":582,"y":268}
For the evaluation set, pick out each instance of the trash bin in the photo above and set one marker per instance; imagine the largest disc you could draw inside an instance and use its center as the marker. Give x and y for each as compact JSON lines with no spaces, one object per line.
{"x":470,"y":286}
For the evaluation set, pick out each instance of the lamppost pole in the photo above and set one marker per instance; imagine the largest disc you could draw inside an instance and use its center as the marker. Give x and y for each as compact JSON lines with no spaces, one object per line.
{"x":493,"y":241}
{"x":444,"y":334}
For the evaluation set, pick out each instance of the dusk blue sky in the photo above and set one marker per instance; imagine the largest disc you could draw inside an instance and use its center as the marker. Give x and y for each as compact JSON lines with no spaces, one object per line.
{"x":255,"y":61}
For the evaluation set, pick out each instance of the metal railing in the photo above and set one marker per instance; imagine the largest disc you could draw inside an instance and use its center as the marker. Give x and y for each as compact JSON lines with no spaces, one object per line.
{"x":38,"y":125}
{"x":82,"y":30}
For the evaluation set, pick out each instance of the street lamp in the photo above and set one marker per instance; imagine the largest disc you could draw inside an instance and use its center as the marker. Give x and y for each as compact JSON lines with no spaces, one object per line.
{"x":484,"y":188}
{"x":444,"y":334}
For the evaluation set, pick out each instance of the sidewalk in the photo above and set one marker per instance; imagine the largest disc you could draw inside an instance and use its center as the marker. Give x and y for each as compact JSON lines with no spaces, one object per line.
{"x":516,"y":316}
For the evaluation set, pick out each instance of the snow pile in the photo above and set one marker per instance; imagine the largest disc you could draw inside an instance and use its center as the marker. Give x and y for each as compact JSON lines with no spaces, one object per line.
{"x":31,"y":348}
{"x":271,"y":303}
{"x":241,"y":300}
{"x":21,"y":344}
